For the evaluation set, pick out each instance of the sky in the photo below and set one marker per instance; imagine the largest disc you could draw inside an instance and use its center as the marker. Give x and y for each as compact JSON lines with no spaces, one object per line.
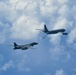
{"x":54,"y":55}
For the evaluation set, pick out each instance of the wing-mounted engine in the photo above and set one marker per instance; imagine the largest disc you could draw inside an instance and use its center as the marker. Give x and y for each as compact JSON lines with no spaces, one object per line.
{"x":65,"y":33}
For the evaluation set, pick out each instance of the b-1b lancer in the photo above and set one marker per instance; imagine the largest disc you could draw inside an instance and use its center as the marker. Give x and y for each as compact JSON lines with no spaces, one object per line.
{"x":24,"y":47}
{"x":46,"y":31}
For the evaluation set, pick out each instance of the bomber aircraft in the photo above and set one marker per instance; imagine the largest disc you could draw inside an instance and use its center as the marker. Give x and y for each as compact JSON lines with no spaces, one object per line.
{"x":46,"y":31}
{"x":24,"y":47}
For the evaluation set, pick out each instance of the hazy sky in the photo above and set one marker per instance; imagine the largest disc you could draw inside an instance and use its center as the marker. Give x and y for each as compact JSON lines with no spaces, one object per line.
{"x":54,"y":55}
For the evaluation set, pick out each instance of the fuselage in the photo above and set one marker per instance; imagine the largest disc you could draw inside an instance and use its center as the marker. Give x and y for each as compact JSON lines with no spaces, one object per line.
{"x":25,"y":47}
{"x":46,"y":31}
{"x":55,"y":31}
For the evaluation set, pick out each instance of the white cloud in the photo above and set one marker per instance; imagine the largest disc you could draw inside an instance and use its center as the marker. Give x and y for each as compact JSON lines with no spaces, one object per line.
{"x":27,"y":15}
{"x":64,"y":11}
{"x":21,"y":11}
{"x":55,"y":39}
{"x":68,"y":57}
{"x":7,"y":66}
{"x":33,"y":11}
{"x":22,"y":68}
{"x":62,"y":2}
{"x":74,"y":11}
{"x":30,"y":11}
{"x":72,"y":36}
{"x":60,"y":72}
{"x":57,"y":52}
{"x":61,"y":23}
{"x":20,"y":5}
{"x":2,"y":37}
{"x":26,"y":6}
{"x":25,"y":28}
{"x":4,"y":30}
{"x":48,"y":10}
{"x":13,"y":2}
{"x":22,"y":64}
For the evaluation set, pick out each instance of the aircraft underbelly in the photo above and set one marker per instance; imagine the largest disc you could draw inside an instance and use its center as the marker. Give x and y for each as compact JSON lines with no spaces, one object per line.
{"x":52,"y":32}
{"x":24,"y":48}
{"x":55,"y":31}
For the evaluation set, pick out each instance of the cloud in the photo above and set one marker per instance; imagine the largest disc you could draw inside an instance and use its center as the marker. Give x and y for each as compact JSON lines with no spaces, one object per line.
{"x":24,"y":27}
{"x":56,"y":52}
{"x":7,"y":66}
{"x":22,"y":64}
{"x":64,"y":11}
{"x":4,"y":30}
{"x":1,"y":57}
{"x":74,"y":11}
{"x":59,"y":53}
{"x":48,"y":9}
{"x":72,"y":36}
{"x":21,"y":11}
{"x":20,"y":18}
{"x":21,"y":68}
{"x":62,"y":2}
{"x":61,"y":23}
{"x":23,"y":22}
{"x":60,"y":72}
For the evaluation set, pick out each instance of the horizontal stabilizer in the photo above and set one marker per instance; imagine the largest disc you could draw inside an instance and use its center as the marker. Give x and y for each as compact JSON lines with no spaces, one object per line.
{"x":39,"y":29}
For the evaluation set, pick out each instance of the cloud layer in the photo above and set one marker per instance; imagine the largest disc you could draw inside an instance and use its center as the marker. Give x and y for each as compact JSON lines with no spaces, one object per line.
{"x":7,"y":66}
{"x":19,"y":20}
{"x":25,"y":16}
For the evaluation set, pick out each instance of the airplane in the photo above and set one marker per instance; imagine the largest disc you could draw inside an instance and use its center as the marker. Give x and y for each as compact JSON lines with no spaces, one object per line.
{"x":46,"y":31}
{"x":24,"y":47}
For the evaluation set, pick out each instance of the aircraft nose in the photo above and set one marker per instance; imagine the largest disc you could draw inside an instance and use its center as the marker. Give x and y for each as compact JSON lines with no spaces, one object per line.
{"x":63,"y":30}
{"x":36,"y":43}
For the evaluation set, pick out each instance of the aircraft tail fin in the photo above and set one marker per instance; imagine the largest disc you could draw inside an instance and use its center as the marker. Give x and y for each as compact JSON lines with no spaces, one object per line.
{"x":15,"y":44}
{"x":45,"y":28}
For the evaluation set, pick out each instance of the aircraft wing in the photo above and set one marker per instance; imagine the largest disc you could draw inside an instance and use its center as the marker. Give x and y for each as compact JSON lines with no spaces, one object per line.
{"x":25,"y":47}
